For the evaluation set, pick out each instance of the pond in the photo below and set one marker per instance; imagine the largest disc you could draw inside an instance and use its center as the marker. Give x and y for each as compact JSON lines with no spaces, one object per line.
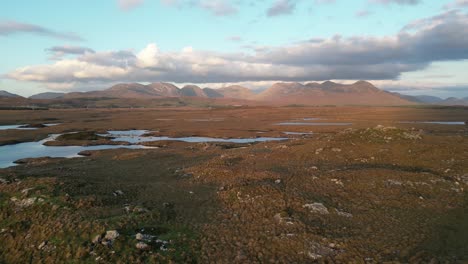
{"x":11,"y":153}
{"x":137,"y":136}
{"x":435,"y":122}
{"x":297,"y":133}
{"x":312,"y":124}
{"x":22,"y":127}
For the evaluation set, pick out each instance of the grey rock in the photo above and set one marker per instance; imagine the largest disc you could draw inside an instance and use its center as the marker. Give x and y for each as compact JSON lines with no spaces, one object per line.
{"x":144,"y":237}
{"x":26,"y":191}
{"x":142,"y":245}
{"x":316,"y":208}
{"x":42,"y":245}
{"x":24,"y":202}
{"x":111,"y":235}
{"x":4,"y":181}
{"x":118,"y":193}
{"x":344,"y":214}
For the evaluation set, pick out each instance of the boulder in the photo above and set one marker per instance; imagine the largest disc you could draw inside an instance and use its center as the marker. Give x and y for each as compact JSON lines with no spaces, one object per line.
{"x":316,"y":208}
{"x":142,"y":245}
{"x":42,"y":245}
{"x":111,"y":235}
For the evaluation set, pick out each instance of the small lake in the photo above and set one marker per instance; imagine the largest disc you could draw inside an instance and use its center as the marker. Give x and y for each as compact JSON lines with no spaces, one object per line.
{"x":297,"y":133}
{"x":136,"y":136}
{"x":21,"y":127}
{"x":312,"y":124}
{"x":206,"y":120}
{"x":435,"y":122}
{"x":11,"y":153}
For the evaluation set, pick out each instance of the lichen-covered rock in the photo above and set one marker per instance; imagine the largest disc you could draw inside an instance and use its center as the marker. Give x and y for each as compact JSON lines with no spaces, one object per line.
{"x":24,"y":202}
{"x":142,"y":245}
{"x":316,"y":208}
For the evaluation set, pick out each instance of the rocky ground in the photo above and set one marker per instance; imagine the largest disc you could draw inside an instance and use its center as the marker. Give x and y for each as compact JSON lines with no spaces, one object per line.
{"x":376,"y":192}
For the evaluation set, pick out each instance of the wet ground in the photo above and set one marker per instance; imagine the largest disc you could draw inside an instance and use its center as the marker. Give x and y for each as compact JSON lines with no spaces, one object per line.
{"x":384,"y":189}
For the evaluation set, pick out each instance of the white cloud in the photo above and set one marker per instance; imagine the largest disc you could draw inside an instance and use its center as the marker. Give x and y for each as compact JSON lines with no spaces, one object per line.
{"x":148,"y":57}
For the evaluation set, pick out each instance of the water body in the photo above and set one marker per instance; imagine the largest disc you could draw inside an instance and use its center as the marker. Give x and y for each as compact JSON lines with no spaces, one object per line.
{"x":19,"y":127}
{"x":126,"y":133}
{"x":297,"y":133}
{"x":6,"y":127}
{"x":435,"y":122}
{"x":136,"y":136}
{"x":312,"y":124}
{"x":11,"y":153}
{"x":207,"y":120}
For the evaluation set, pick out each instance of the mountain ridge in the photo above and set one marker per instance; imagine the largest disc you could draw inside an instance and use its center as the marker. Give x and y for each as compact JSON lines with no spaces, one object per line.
{"x":281,"y":93}
{"x":6,"y":94}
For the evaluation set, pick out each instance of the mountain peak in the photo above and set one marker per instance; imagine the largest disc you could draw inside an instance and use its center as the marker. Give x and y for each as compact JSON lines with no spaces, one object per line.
{"x":364,"y":86}
{"x":362,"y":82}
{"x":47,"y":95}
{"x":329,"y":84}
{"x":8,"y":94}
{"x":313,"y":84}
{"x":192,"y":90}
{"x":237,"y":91}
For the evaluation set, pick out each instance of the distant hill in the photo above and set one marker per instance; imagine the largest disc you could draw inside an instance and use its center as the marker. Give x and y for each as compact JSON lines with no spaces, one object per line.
{"x":47,"y":95}
{"x":454,"y":101}
{"x":192,"y":91}
{"x":236,"y":91}
{"x":213,"y":93}
{"x":6,"y":94}
{"x":165,"y":89}
{"x":313,"y":93}
{"x":330,"y":93}
{"x":427,"y":99}
{"x":158,"y":90}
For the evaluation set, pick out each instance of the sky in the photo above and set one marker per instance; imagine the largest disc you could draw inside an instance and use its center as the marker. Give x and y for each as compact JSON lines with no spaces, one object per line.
{"x":410,"y":46}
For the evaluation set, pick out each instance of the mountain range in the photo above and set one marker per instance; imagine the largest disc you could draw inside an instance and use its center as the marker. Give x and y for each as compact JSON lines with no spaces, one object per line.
{"x":326,"y":93}
{"x":136,"y":90}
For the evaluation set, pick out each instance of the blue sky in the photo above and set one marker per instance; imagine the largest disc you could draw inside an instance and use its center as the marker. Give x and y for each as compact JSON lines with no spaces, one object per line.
{"x":53,"y":45}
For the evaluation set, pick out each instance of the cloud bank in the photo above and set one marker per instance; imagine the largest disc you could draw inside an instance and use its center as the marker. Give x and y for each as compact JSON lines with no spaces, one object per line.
{"x":415,"y":47}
